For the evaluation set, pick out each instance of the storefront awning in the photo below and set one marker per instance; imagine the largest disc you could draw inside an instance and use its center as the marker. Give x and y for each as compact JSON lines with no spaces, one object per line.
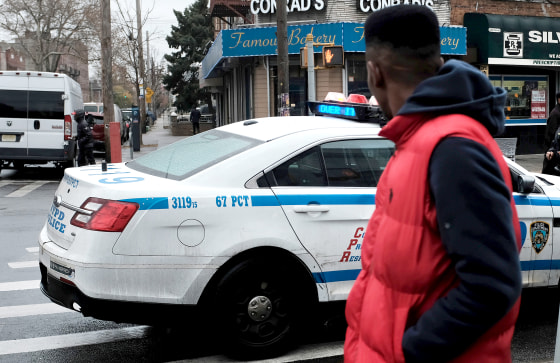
{"x":514,"y":40}
{"x":263,"y":42}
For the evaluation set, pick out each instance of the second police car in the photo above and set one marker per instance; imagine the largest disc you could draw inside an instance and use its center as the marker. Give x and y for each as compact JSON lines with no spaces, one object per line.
{"x":252,"y":224}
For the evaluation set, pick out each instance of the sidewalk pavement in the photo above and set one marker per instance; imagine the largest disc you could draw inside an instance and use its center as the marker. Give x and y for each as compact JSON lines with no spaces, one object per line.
{"x":531,"y":162}
{"x":158,"y":135}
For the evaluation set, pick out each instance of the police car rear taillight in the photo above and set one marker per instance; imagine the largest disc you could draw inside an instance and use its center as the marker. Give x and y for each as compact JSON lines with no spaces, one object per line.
{"x":104,"y":215}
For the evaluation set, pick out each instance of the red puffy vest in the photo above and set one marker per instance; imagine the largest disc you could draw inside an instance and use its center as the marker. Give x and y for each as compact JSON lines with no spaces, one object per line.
{"x":405,"y":267}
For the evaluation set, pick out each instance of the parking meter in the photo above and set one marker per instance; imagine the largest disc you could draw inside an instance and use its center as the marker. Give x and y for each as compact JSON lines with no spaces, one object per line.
{"x":136,"y":128}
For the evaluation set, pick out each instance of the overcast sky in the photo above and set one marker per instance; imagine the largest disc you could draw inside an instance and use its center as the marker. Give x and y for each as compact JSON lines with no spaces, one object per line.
{"x":160,"y":20}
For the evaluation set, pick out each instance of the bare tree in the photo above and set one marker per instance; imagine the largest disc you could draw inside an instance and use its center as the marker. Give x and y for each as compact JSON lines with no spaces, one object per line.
{"x":47,"y":29}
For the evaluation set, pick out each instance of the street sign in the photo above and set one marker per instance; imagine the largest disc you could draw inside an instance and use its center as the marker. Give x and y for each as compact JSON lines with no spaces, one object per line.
{"x":149,"y":92}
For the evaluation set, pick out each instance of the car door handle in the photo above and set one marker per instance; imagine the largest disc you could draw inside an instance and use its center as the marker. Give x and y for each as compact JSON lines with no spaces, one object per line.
{"x":310,"y":208}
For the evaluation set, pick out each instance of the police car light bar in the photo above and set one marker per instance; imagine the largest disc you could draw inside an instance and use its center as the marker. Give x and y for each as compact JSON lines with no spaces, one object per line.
{"x":352,"y":111}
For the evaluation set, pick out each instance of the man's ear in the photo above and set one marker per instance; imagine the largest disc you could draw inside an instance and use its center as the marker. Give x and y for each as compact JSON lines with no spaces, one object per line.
{"x":375,"y":75}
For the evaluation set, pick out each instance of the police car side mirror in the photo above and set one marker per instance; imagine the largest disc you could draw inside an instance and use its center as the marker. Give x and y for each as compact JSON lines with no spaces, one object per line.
{"x":525,"y":184}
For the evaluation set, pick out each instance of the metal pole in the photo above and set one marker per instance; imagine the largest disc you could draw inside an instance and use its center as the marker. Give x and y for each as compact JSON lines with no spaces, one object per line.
{"x":283,"y":60}
{"x":141,"y":99}
{"x":310,"y":68}
{"x":106,"y":71}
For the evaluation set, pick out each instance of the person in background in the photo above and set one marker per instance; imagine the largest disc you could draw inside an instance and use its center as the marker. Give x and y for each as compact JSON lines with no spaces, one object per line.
{"x":552,"y":125}
{"x":552,"y":156}
{"x":440,"y":278}
{"x":195,"y":119}
{"x":85,"y":139}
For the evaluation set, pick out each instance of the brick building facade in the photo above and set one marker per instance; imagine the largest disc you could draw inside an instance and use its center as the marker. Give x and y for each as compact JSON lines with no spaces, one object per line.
{"x":14,"y":58}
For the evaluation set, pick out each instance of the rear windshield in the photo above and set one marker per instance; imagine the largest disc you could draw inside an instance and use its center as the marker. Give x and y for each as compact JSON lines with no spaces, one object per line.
{"x":92,"y":108}
{"x":192,"y":154}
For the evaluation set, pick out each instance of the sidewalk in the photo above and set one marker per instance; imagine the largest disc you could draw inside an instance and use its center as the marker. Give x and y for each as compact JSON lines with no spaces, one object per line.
{"x":159,"y":135}
{"x":531,"y":162}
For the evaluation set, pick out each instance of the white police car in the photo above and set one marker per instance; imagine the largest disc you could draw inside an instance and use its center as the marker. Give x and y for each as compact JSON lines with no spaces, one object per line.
{"x":252,"y":223}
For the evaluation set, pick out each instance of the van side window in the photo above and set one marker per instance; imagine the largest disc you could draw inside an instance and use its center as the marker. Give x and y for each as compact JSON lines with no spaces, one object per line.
{"x":46,"y":105}
{"x":13,"y":104}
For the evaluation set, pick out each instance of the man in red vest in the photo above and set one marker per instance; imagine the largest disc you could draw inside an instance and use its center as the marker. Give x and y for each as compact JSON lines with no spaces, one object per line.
{"x":440,"y":279}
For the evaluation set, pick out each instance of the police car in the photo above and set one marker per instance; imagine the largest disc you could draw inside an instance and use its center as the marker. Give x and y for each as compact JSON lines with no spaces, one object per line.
{"x":250,"y":226}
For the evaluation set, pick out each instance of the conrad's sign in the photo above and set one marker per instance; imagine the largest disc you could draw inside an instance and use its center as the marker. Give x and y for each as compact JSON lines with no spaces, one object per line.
{"x":269,"y":6}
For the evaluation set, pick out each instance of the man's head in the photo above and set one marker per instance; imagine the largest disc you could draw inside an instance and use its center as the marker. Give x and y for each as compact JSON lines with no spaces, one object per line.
{"x":79,"y":114}
{"x":402,"y":49}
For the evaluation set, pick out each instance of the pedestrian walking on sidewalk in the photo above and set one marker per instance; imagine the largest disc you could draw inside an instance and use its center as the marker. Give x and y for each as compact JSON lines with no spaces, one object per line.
{"x":440,"y":278}
{"x":195,"y":119}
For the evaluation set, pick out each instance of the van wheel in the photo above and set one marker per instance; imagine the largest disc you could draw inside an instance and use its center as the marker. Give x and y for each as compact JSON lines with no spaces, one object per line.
{"x":258,"y":305}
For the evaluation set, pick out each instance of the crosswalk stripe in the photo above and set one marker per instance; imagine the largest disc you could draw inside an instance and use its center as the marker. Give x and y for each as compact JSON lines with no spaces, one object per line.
{"x":19,"y":285}
{"x":32,"y":249}
{"x":26,"y":189}
{"x":71,"y":340}
{"x":17,"y":311}
{"x":24,"y":264}
{"x":23,"y":181}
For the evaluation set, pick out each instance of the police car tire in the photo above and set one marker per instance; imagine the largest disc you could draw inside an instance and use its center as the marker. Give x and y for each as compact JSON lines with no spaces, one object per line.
{"x":260,"y":283}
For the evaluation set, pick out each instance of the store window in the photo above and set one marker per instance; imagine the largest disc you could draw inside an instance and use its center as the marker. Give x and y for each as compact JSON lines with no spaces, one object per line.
{"x":527,"y":96}
{"x":298,"y":90}
{"x":357,"y":74}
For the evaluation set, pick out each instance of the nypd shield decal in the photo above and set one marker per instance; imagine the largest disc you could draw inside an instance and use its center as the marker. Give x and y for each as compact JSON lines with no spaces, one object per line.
{"x":539,"y":235}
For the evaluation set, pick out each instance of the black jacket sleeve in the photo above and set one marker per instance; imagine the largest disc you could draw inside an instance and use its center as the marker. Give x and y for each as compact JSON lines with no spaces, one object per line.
{"x":475,"y":222}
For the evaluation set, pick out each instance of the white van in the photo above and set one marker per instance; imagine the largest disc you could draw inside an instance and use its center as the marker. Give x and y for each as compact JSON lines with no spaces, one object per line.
{"x":36,"y":122}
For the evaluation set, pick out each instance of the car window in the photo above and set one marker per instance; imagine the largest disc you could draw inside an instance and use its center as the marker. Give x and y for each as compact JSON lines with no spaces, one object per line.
{"x":192,"y":154}
{"x":306,"y":169}
{"x":348,"y":163}
{"x":46,"y":105}
{"x":90,"y":108}
{"x":13,"y":104}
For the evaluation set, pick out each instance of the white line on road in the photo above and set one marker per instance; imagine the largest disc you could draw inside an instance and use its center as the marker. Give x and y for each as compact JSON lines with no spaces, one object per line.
{"x":32,"y":249}
{"x":26,"y":189}
{"x":24,"y":264}
{"x":23,"y":181}
{"x":71,"y":340}
{"x":17,"y":311}
{"x":19,"y":285}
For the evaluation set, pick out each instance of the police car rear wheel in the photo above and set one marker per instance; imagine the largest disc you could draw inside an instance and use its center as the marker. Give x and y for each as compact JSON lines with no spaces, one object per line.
{"x":257,"y":309}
